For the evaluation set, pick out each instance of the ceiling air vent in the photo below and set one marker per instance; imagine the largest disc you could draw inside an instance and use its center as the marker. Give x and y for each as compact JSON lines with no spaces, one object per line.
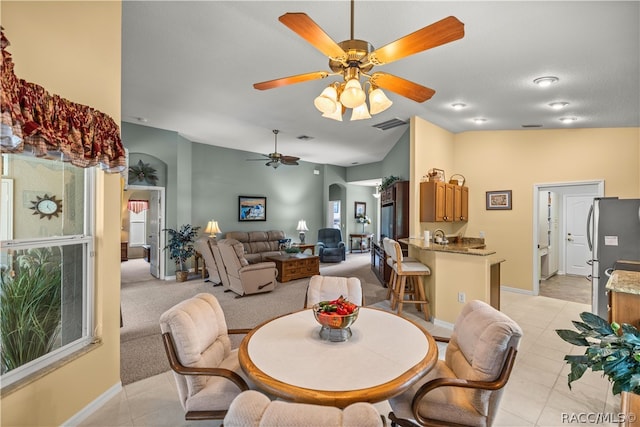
{"x":389,"y":124}
{"x":531,"y":126}
{"x":304,"y":137}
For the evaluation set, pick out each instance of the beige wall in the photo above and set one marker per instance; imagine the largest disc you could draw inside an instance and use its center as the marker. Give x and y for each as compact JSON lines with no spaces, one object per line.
{"x":517,"y":160}
{"x":73,"y":49}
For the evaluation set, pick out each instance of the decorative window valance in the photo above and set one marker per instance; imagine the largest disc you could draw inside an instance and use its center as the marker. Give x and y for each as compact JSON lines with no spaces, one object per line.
{"x":36,"y":122}
{"x":137,"y":206}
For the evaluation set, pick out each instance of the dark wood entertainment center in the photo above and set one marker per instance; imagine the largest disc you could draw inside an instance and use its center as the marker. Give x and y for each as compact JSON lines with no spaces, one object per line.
{"x":395,"y":201}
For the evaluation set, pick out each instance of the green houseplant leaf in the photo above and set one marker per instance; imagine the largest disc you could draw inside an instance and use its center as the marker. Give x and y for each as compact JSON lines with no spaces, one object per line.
{"x":30,"y":306}
{"x":181,"y":244}
{"x":611,"y":348}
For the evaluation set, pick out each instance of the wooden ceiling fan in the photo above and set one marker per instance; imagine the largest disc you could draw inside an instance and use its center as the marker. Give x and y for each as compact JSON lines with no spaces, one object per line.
{"x":352,"y":58}
{"x":276,"y":159}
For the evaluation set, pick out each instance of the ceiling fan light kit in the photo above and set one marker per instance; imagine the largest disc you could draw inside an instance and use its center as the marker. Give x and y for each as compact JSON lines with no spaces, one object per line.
{"x":355,"y":58}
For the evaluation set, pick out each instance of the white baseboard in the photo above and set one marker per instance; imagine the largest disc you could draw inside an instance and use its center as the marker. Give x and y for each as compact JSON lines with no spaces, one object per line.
{"x":516,"y":290}
{"x":94,"y":406}
{"x":442,"y":323}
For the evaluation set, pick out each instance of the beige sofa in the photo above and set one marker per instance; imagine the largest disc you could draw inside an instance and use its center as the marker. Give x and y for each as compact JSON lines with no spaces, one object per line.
{"x":258,"y":245}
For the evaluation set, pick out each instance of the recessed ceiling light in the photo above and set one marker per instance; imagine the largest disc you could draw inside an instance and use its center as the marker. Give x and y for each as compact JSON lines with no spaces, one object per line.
{"x":568,"y":119}
{"x":558,"y":105}
{"x":546,"y":81}
{"x":458,"y":106}
{"x":479,"y":120}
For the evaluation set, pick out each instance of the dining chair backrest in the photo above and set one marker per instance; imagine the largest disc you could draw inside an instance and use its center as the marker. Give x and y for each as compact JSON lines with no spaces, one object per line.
{"x":327,"y":288}
{"x":199,"y":332}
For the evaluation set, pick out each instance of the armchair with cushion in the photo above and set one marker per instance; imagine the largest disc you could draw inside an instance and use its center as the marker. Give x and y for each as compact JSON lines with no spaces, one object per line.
{"x":254,"y":409}
{"x":244,"y":278}
{"x":331,"y":248}
{"x":206,"y":370}
{"x":465,"y":388}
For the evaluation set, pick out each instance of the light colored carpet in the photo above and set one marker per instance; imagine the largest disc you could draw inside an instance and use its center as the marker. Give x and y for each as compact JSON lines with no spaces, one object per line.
{"x":144,"y":299}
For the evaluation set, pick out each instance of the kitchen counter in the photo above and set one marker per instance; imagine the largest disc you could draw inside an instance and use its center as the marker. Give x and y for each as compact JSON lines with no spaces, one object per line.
{"x":624,"y":297}
{"x":461,"y":271}
{"x":467,"y":246}
{"x":624,"y":281}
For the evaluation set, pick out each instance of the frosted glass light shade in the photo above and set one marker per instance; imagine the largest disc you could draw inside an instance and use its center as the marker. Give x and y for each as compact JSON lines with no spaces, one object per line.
{"x":360,"y":112}
{"x":336,"y":115}
{"x":378,"y":101}
{"x":326,"y":102}
{"x":352,"y":96}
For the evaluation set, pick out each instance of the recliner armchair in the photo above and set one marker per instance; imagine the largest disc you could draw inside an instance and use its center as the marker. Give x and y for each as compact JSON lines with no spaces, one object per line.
{"x":206,"y":246}
{"x":331,"y":248}
{"x":241,"y":277}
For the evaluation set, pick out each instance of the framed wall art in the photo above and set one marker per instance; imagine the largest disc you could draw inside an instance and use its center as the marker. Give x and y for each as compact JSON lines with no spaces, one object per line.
{"x":499,"y":200}
{"x":360,"y":209}
{"x":252,"y":208}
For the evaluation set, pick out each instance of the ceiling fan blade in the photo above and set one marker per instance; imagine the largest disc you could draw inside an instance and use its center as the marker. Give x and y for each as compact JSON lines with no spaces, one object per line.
{"x":444,"y":31}
{"x":289,"y":160}
{"x":305,"y":27}
{"x":299,"y":78}
{"x":402,"y":87}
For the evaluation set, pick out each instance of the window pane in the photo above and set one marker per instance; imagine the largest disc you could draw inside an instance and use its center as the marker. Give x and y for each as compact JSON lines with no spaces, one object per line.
{"x":41,"y":301}
{"x":47,"y":198}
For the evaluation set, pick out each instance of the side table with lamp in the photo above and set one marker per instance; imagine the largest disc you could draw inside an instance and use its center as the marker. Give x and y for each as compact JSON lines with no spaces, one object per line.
{"x":302,"y":228}
{"x":212,"y":229}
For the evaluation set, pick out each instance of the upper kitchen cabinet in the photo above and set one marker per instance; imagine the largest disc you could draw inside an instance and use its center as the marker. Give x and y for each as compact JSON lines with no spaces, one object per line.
{"x":443,"y":202}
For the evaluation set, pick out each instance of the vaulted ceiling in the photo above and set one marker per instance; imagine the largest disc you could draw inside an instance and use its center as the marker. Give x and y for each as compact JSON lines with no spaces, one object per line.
{"x":190,"y":67}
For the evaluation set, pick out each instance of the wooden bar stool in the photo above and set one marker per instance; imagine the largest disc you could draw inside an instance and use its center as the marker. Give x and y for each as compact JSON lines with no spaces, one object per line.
{"x":408,"y":283}
{"x":391,"y":258}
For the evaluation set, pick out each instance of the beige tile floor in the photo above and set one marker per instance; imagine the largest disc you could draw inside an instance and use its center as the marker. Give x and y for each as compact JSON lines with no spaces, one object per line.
{"x":537,"y":393}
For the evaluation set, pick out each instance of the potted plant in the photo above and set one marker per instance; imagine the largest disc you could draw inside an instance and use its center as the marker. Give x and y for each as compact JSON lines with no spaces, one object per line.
{"x":610,"y":348}
{"x":181,"y":248}
{"x":30,"y":307}
{"x":387,"y":181}
{"x":292,"y":251}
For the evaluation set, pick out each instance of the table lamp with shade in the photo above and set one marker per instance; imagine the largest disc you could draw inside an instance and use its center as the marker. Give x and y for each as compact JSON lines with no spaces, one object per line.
{"x":212,"y":228}
{"x":302,"y":227}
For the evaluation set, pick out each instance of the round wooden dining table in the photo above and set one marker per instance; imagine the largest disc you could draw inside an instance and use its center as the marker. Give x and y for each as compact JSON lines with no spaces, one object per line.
{"x":386,"y":354}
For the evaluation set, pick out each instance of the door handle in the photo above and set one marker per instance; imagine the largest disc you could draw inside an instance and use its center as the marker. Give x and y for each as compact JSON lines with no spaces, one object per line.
{"x":569,"y":239}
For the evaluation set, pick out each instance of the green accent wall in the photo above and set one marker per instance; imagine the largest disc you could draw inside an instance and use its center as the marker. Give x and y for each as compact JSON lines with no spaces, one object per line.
{"x":203,"y":182}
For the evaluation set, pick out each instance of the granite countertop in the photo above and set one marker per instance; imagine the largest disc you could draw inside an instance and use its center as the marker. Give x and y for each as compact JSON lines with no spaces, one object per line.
{"x":466,"y":246}
{"x":624,"y":281}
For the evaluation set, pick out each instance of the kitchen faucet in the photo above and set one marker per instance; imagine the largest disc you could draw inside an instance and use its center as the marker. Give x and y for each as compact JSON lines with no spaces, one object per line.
{"x":444,"y":240}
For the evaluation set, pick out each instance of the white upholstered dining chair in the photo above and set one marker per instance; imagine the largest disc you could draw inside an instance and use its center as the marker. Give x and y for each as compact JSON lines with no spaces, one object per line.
{"x":326,"y":288}
{"x":206,"y":369}
{"x":254,"y":409}
{"x":466,"y":387}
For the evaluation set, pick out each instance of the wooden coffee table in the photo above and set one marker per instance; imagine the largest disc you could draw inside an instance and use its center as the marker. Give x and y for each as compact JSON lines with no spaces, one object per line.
{"x":299,"y":266}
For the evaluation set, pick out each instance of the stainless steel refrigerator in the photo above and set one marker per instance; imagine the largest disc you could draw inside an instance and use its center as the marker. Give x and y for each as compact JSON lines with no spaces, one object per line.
{"x":613,"y":234}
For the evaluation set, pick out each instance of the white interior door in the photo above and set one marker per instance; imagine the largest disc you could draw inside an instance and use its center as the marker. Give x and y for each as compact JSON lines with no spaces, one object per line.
{"x":577,"y":251}
{"x":153,"y":233}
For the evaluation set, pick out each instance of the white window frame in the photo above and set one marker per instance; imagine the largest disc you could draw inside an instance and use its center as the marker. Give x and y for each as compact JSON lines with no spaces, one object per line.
{"x":88,"y":306}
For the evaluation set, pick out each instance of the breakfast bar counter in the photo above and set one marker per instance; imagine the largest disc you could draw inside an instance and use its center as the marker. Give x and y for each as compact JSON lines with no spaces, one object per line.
{"x":624,"y":297}
{"x":460,"y":272}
